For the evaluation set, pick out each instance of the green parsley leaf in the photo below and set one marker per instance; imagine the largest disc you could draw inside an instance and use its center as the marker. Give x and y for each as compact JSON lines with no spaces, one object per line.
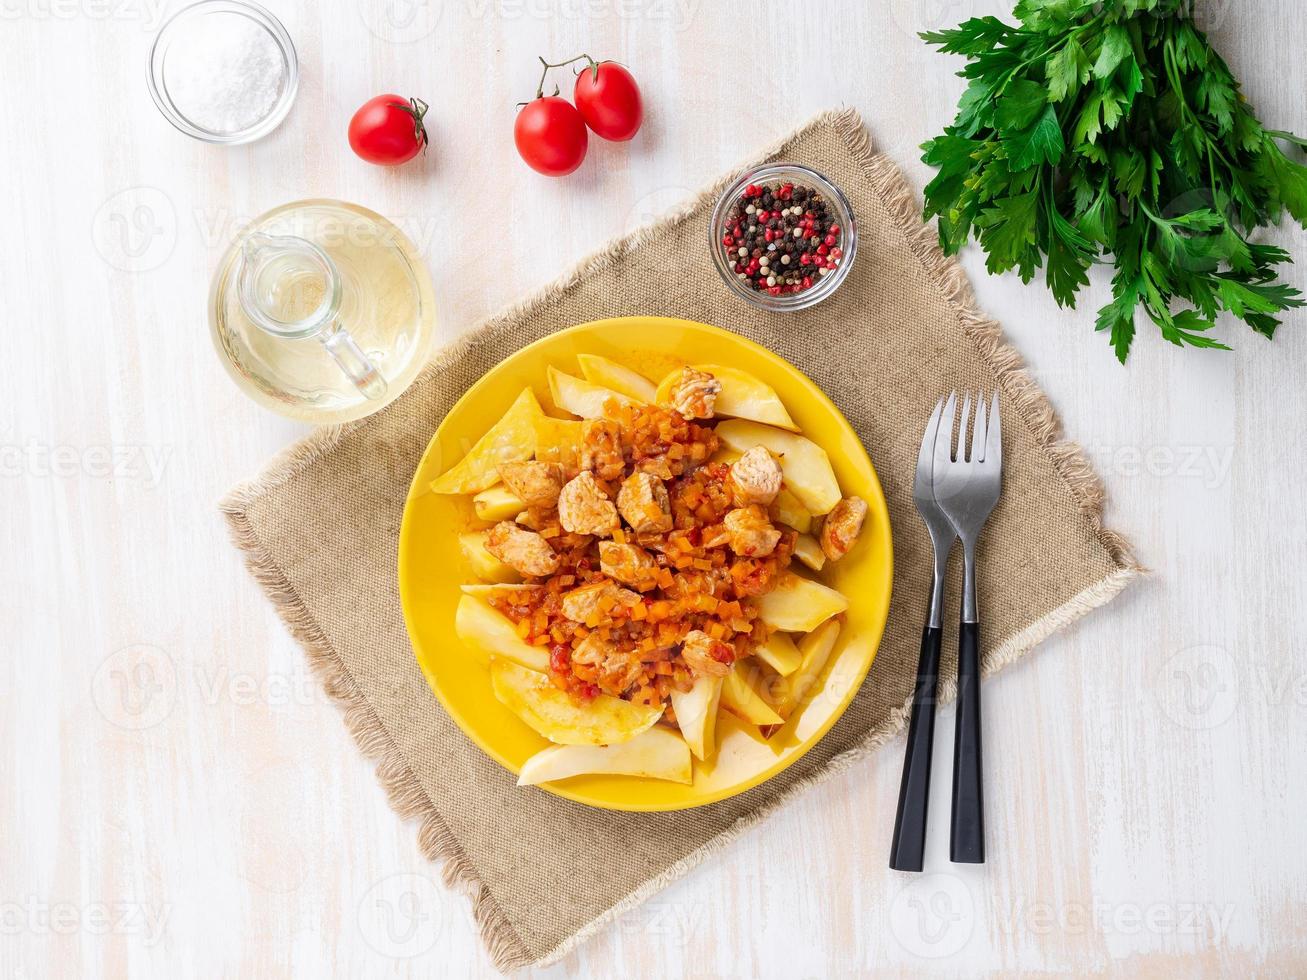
{"x":1115,"y":49}
{"x":1039,"y":143}
{"x":1008,"y":230}
{"x":1067,"y":70}
{"x":1020,"y":105}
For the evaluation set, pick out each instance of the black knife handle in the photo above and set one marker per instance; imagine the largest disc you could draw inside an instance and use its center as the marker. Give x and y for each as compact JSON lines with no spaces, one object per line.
{"x":967,"y":839}
{"x":909,"y":844}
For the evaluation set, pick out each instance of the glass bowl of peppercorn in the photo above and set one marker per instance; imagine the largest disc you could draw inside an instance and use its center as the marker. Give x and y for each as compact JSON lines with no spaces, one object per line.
{"x":783,"y":237}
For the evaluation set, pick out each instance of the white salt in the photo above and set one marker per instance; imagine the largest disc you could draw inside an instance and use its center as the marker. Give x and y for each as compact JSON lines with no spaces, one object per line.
{"x":224,"y":72}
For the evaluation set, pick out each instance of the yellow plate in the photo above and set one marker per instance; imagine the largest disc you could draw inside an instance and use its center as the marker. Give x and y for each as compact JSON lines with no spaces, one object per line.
{"x":431,"y":568}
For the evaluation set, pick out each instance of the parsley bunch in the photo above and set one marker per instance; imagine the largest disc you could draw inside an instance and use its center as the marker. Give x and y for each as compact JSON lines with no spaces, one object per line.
{"x":1112,"y":128}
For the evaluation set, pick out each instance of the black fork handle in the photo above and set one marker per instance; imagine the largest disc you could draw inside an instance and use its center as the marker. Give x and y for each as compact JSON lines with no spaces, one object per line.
{"x":967,"y":838}
{"x":909,"y":844}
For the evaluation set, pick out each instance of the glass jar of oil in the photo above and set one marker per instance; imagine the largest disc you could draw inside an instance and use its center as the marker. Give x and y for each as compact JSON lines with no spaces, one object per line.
{"x":322,"y":311}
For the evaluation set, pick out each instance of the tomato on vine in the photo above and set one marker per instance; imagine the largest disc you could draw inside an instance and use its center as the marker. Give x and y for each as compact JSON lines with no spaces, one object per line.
{"x":608,"y":99}
{"x":549,"y":132}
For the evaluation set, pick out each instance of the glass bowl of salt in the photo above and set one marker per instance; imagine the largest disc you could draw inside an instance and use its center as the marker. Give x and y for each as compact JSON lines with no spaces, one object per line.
{"x":223,"y":71}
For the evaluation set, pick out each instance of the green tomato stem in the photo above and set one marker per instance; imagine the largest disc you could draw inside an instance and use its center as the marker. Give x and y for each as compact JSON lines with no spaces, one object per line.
{"x":591,"y":64}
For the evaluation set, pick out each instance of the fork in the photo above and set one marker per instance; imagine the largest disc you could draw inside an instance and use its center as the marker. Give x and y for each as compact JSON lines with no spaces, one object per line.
{"x":966,"y":486}
{"x":909,"y":843}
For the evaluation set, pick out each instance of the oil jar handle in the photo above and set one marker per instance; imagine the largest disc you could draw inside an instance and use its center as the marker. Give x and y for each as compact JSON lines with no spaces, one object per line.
{"x":274,"y":267}
{"x":351,"y":359}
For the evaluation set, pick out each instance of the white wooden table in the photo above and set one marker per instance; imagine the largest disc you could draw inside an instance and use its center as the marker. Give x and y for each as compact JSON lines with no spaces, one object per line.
{"x":211,"y":817}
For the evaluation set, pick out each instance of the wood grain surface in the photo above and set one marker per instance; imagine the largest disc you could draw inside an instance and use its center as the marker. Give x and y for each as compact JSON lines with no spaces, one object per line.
{"x":177,"y":798}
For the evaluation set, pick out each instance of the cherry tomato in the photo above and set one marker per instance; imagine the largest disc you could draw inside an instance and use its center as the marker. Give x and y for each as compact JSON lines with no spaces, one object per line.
{"x":609,"y":100}
{"x":388,"y":130}
{"x":550,"y":135}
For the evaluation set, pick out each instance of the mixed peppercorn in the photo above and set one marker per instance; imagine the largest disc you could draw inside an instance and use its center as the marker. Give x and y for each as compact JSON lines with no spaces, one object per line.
{"x":781,"y":239}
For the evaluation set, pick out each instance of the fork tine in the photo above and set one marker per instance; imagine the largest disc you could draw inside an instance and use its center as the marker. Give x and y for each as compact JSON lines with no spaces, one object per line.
{"x":963,"y":419}
{"x":944,"y":440}
{"x":927,"y":454}
{"x":994,"y":437}
{"x":978,"y":428}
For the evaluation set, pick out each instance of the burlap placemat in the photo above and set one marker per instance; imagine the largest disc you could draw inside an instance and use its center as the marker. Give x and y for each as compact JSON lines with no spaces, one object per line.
{"x":319,"y":531}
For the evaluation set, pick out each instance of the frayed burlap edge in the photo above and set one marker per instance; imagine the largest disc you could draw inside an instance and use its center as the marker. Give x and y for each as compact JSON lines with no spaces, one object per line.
{"x":506,"y":948}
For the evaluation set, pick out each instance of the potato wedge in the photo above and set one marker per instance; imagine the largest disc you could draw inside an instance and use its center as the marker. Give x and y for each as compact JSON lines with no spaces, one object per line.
{"x":512,"y":438}
{"x":804,"y":464}
{"x":778,"y":652}
{"x":816,"y":649}
{"x":740,"y":697}
{"x":791,"y":512}
{"x":532,"y":697}
{"x":492,"y":634}
{"x":559,"y":441}
{"x":580,"y":397}
{"x":616,"y":377}
{"x":498,"y":503}
{"x":799,"y":605}
{"x":656,"y":754}
{"x":742,"y":396}
{"x":481,"y":590}
{"x":484,"y":565}
{"x":808,"y":551}
{"x":729,"y":725}
{"x":696,"y":714}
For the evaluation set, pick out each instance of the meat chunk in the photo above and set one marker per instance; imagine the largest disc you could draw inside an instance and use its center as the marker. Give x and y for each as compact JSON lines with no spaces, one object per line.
{"x":841,"y":528}
{"x":694,"y":393}
{"x":656,"y":467}
{"x":584,"y":508}
{"x":526,"y":551}
{"x":593,"y":604}
{"x":615,"y":669}
{"x":755,"y":478}
{"x":601,"y":448}
{"x":538,"y":484}
{"x":705,"y":656}
{"x":749,"y":533}
{"x":629,"y":564}
{"x":644,"y":503}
